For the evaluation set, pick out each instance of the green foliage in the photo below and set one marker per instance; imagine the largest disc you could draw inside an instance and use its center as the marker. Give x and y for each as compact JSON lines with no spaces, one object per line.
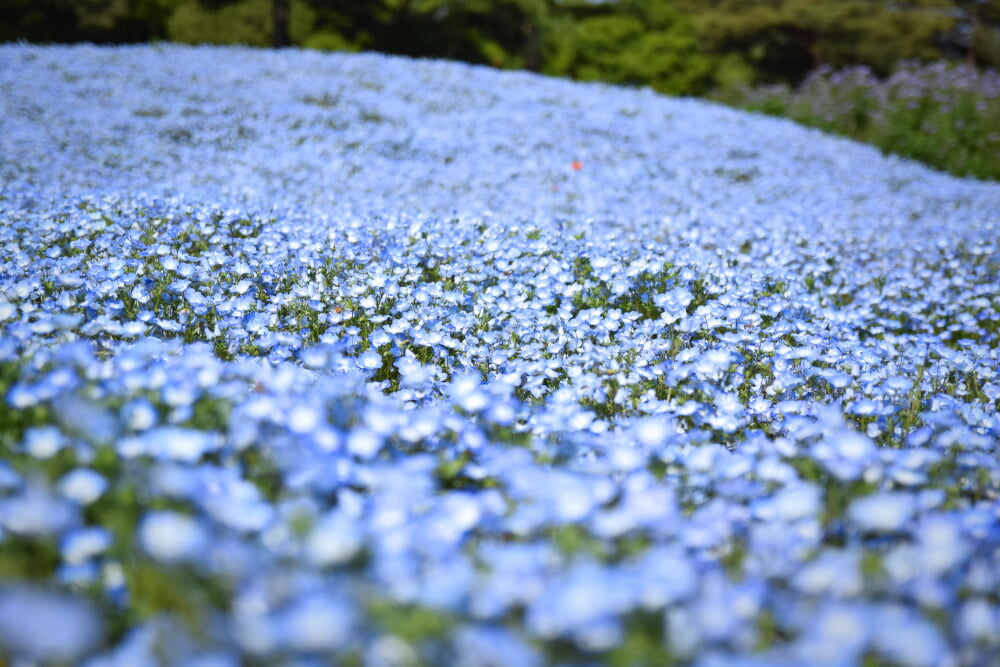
{"x":977,"y":37}
{"x":501,"y":33}
{"x":630,"y":42}
{"x":28,"y":558}
{"x":880,"y":36}
{"x":328,"y":40}
{"x":674,"y":46}
{"x":101,"y":21}
{"x":784,"y":41}
{"x":248,"y":22}
{"x":411,"y":623}
{"x":762,"y":35}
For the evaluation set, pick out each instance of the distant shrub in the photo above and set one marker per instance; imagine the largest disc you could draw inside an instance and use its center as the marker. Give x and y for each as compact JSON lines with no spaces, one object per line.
{"x":248,"y":23}
{"x":633,"y":43}
{"x":944,"y":115}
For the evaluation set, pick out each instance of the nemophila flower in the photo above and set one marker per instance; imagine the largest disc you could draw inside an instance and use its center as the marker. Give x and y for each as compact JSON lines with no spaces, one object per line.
{"x":335,"y":539}
{"x":466,"y":392}
{"x":652,"y":508}
{"x":445,"y":577}
{"x":316,"y":623}
{"x":729,"y":413}
{"x":712,"y":525}
{"x":172,"y":537}
{"x":81,"y":545}
{"x":908,"y":468}
{"x":239,"y":508}
{"x":834,"y":572}
{"x":8,"y":311}
{"x":905,"y":637}
{"x":716,"y":617}
{"x":846,"y":454}
{"x":170,"y":443}
{"x":664,"y":576}
{"x":389,"y":649}
{"x":304,"y":418}
{"x":9,"y":479}
{"x":977,"y":621}
{"x":370,"y":360}
{"x":582,"y":605}
{"x":41,"y":626}
{"x":840,"y":636}
{"x":452,"y":518}
{"x":43,"y":442}
{"x":653,"y":432}
{"x":481,"y":646}
{"x":86,"y":419}
{"x":517,"y":574}
{"x":82,"y":485}
{"x":140,"y":414}
{"x":886,"y":511}
{"x":793,"y":502}
{"x":37,"y":512}
{"x":213,"y":659}
{"x":363,"y":443}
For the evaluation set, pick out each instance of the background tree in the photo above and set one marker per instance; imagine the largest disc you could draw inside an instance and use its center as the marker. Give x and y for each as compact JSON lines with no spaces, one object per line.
{"x":638,"y":42}
{"x":101,"y":21}
{"x":783,"y":40}
{"x":675,"y":46}
{"x":502,"y":33}
{"x":976,"y":34}
{"x":247,"y":22}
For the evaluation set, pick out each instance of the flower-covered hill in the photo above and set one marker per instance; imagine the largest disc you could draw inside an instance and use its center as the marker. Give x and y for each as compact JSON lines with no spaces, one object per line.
{"x":312,"y":357}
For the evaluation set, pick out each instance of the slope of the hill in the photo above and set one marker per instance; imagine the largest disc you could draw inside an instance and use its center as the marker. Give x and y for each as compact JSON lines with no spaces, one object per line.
{"x":371,"y":132}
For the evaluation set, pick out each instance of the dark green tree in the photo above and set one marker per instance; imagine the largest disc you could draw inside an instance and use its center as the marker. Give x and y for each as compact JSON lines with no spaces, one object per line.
{"x":782,"y":40}
{"x":675,"y":46}
{"x":503,"y":33}
{"x":976,"y":34}
{"x":279,"y":18}
{"x":636,"y":42}
{"x":101,"y":21}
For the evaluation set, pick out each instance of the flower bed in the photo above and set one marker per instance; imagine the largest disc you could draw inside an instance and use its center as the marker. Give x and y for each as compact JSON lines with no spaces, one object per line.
{"x":313,"y":357}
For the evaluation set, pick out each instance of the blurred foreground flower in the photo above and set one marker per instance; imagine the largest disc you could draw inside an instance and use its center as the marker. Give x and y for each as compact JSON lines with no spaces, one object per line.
{"x":40,"y":626}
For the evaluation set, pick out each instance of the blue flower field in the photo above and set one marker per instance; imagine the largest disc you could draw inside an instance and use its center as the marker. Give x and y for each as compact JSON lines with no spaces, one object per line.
{"x":314,"y":359}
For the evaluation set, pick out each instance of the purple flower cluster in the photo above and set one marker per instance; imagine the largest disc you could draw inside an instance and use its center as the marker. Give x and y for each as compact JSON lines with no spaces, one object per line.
{"x":944,"y":115}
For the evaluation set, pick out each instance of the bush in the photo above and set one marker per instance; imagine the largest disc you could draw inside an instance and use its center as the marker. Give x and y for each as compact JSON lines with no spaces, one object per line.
{"x":248,"y":22}
{"x":634,"y":43}
{"x":943,"y":115}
